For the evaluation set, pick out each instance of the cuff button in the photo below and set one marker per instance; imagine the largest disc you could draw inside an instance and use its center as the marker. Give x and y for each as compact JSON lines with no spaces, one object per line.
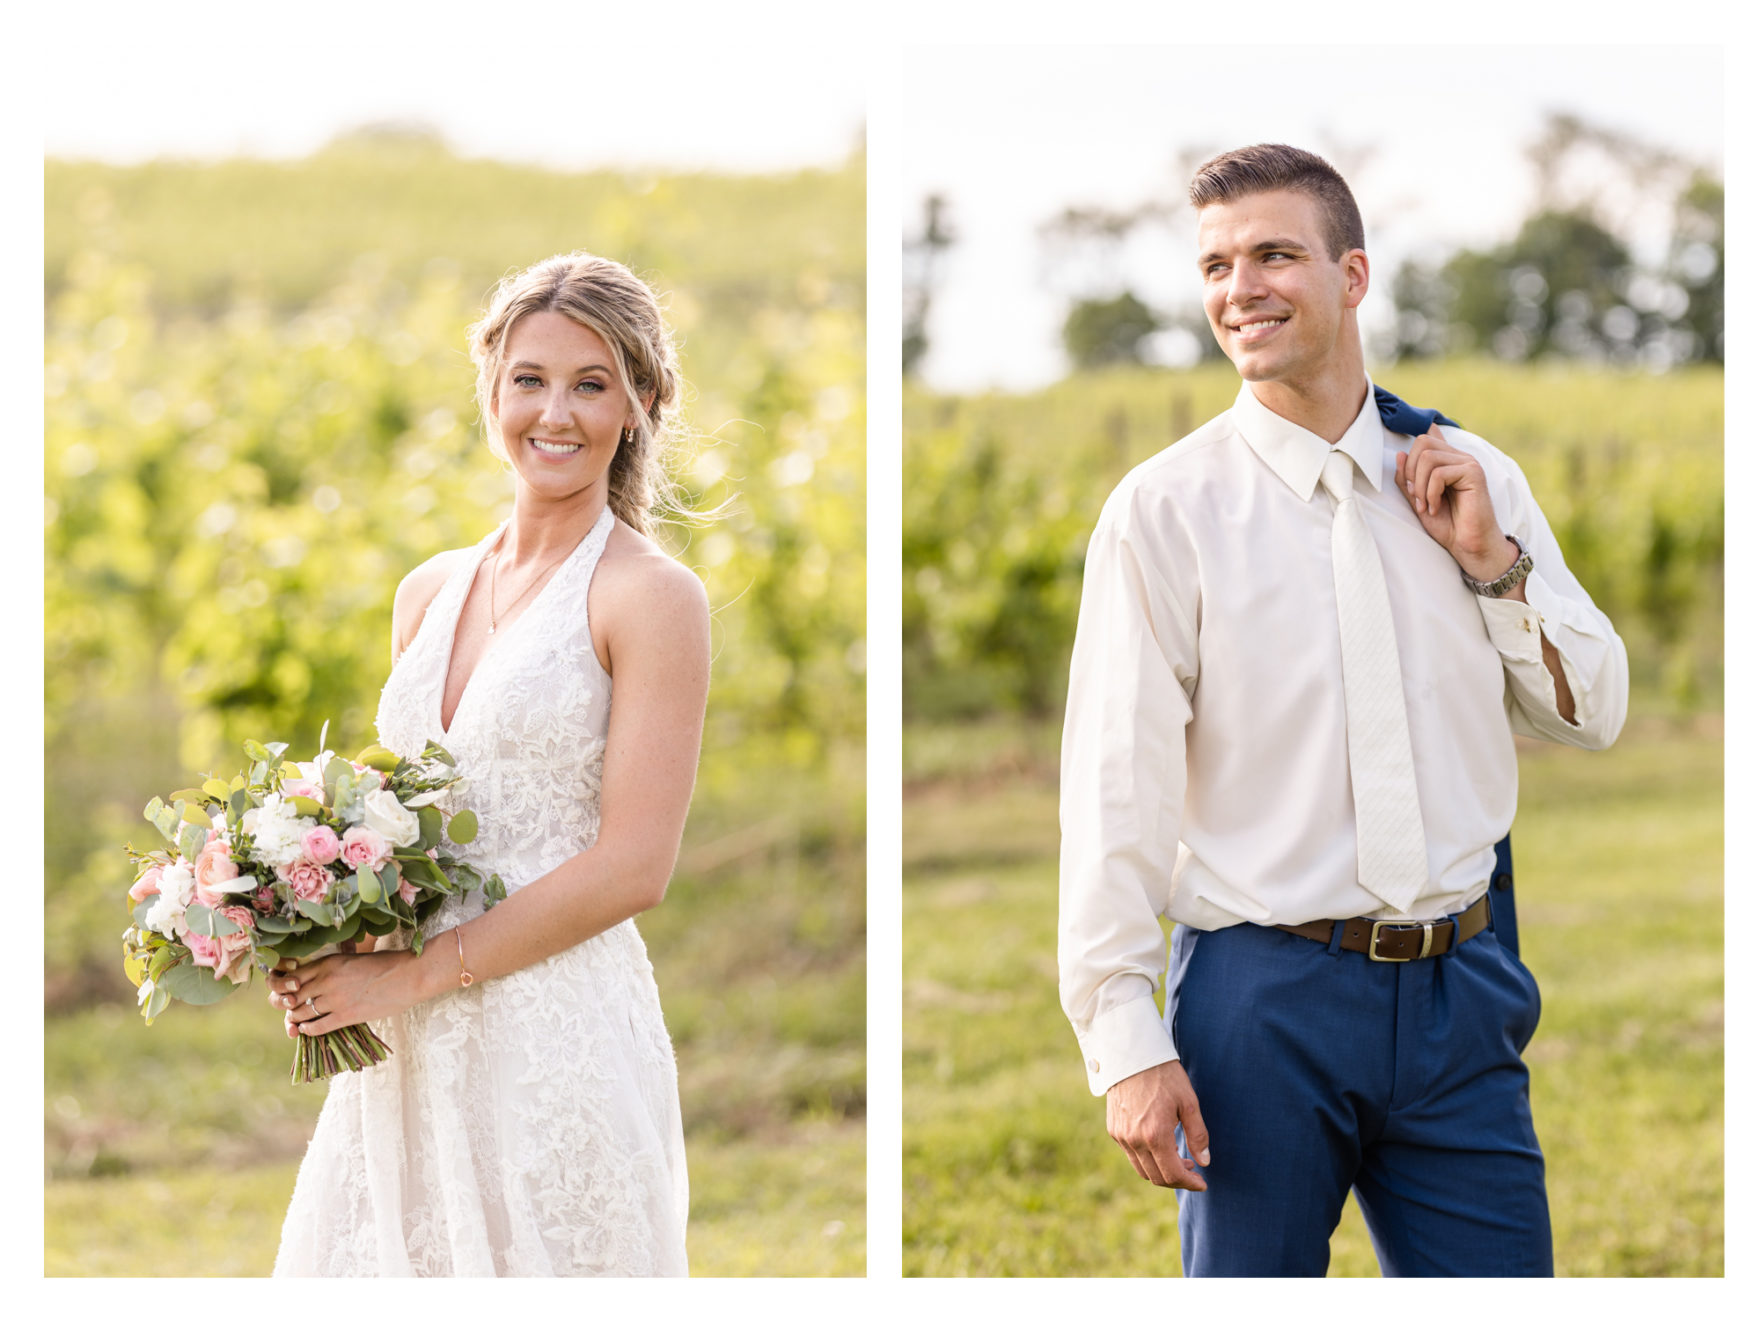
{"x":1093,"y":1065}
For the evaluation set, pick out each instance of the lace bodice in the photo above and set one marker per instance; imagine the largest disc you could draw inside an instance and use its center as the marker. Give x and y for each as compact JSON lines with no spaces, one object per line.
{"x":528,"y":1124}
{"x":529,"y":730}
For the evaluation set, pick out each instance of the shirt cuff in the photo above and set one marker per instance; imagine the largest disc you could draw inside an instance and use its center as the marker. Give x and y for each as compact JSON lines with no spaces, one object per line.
{"x":1514,"y":627}
{"x":1123,"y":1041}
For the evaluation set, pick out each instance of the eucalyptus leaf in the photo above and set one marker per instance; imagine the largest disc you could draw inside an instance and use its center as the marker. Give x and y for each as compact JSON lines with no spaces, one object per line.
{"x":255,"y":750}
{"x":415,"y":944}
{"x":142,"y":908}
{"x":239,"y":802}
{"x":370,"y":888}
{"x":133,"y":969}
{"x":423,"y":871}
{"x":163,"y":819}
{"x":217,"y":789}
{"x":204,"y":920}
{"x":380,"y":758}
{"x":319,"y":914}
{"x":305,"y":806}
{"x":493,"y":891}
{"x":156,"y":1003}
{"x":462,"y":828}
{"x":192,"y":838}
{"x":432,"y":824}
{"x":306,"y":943}
{"x":277,"y":750}
{"x":189,"y":795}
{"x":270,"y":923}
{"x":349,"y":930}
{"x":194,"y":985}
{"x":160,"y":961}
{"x":439,"y":753}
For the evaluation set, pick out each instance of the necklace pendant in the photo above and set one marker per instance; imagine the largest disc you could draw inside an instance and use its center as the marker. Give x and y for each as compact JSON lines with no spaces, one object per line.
{"x":491,"y":630}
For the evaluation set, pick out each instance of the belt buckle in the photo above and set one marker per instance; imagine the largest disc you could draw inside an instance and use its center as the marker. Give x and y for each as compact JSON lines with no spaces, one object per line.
{"x":1428,"y":927}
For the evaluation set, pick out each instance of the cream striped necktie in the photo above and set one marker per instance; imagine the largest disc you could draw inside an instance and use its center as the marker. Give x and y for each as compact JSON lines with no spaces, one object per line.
{"x":1391,"y":861}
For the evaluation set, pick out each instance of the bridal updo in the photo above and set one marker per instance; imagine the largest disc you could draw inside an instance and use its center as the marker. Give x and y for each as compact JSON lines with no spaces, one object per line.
{"x":608,"y":299}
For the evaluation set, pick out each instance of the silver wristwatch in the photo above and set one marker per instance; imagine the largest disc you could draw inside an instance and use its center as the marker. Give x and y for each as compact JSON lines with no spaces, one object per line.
{"x":1502,"y":586}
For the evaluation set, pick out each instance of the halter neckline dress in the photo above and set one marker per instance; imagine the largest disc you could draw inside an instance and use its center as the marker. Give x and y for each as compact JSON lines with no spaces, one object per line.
{"x":526,"y":1125}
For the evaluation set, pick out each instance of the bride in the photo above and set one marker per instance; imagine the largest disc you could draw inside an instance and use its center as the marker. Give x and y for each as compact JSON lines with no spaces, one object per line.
{"x":527,"y":1121}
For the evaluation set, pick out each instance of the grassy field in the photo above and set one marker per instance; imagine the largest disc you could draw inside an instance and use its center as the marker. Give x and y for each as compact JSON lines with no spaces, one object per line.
{"x":258,"y":417}
{"x":172,"y":1150}
{"x":1619,"y":863}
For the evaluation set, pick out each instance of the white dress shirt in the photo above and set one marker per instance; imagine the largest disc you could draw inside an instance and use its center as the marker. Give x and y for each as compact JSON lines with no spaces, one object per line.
{"x":1205,"y":774}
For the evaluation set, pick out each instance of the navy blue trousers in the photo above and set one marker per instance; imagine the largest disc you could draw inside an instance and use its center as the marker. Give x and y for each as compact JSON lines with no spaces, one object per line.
{"x":1320,"y":1072}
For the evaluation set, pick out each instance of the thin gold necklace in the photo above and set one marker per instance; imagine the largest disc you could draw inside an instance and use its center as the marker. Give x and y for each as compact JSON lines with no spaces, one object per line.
{"x":495,"y":618}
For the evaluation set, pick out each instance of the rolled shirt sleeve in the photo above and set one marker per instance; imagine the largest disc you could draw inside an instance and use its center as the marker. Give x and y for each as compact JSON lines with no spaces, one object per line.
{"x":1560,"y":611}
{"x":1123,"y":783}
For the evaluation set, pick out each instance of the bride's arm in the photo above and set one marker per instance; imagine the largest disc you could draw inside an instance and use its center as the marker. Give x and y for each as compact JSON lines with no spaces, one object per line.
{"x":653,"y":618}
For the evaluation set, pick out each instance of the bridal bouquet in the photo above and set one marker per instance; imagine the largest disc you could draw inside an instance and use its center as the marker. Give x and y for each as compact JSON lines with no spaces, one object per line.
{"x":286,"y":860}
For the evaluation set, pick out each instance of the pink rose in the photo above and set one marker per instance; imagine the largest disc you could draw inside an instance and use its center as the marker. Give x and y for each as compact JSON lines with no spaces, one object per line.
{"x":264,"y":901}
{"x":365,"y":849}
{"x":406,"y":891}
{"x":147,"y":884}
{"x":216,"y":873}
{"x":308,"y":880}
{"x":228,"y":955}
{"x":204,"y":950}
{"x":307,"y":788}
{"x":235,"y":949}
{"x":321,"y":845}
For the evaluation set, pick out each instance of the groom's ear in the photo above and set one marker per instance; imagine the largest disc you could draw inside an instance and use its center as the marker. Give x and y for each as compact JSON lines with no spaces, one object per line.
{"x":1355,"y":265}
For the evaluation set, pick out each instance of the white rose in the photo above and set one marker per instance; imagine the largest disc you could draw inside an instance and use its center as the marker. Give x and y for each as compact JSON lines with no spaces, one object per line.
{"x":386,"y":815}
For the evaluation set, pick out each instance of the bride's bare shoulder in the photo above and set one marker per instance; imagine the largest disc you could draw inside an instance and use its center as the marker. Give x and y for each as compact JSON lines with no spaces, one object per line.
{"x":416,"y":592}
{"x":642,"y":594}
{"x":635,"y":570}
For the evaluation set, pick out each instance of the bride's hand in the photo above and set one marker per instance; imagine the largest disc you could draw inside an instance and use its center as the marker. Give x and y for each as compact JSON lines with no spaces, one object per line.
{"x":343,"y":989}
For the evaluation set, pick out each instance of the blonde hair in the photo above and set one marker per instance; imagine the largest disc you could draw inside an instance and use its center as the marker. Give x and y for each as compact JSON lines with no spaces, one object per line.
{"x":610,"y":300}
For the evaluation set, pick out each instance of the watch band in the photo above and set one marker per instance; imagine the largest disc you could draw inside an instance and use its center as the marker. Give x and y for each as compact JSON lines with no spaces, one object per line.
{"x":1513,"y":578}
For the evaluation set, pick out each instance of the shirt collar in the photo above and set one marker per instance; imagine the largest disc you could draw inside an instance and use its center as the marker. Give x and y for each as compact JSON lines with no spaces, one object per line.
{"x":1296,"y":454}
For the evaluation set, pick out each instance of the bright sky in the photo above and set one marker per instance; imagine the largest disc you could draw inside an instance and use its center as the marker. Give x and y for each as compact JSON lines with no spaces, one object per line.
{"x":1012,"y":135}
{"x":695,"y":107}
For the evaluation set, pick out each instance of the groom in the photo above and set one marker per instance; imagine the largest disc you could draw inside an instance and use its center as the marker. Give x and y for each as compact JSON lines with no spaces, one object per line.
{"x":1305,"y":641}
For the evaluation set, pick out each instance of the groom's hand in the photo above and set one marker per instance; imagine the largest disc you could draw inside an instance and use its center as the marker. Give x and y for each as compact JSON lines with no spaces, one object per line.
{"x":1144,"y":1113}
{"x":1447,"y":490}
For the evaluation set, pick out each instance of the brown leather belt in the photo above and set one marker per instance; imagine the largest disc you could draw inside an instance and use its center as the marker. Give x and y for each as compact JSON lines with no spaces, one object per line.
{"x":1399,"y":941}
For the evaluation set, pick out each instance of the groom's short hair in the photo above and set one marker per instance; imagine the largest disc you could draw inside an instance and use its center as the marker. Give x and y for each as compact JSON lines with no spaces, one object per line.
{"x":1269,"y":167}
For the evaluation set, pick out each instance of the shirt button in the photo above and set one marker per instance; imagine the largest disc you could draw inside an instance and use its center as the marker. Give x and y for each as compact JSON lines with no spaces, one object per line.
{"x":1093,"y":1065}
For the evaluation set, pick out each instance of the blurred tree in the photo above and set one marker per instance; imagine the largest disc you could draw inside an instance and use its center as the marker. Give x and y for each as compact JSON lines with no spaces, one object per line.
{"x":1105,"y":332}
{"x":1695,"y":262}
{"x":1551,"y":289}
{"x":1568,"y":284}
{"x":922,"y":272}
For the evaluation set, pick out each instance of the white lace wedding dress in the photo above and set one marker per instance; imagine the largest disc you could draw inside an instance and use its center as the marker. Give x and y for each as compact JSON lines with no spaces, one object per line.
{"x":527,"y":1125}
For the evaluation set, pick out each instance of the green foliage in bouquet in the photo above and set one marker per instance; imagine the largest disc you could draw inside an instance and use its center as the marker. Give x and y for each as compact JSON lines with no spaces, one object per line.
{"x":285,"y":860}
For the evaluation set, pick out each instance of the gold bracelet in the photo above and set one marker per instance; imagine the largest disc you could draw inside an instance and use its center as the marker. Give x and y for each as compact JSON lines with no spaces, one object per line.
{"x":464,"y":977}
